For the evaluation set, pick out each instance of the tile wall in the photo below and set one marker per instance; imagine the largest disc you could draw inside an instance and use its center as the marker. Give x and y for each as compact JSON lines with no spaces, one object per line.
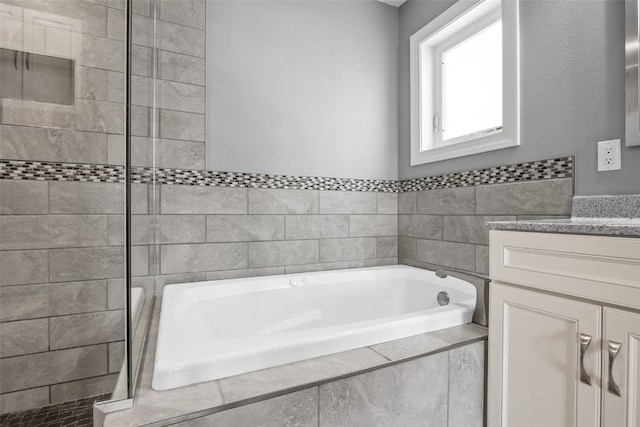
{"x":205,"y":233}
{"x":446,"y":227}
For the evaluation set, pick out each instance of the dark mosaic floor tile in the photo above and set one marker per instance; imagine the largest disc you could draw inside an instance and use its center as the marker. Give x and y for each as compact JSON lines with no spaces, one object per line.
{"x":77,"y":413}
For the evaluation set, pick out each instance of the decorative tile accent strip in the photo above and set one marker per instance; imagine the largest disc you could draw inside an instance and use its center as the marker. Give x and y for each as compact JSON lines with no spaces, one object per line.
{"x":76,"y":413}
{"x":50,"y":171}
{"x":258,"y":180}
{"x":530,"y":171}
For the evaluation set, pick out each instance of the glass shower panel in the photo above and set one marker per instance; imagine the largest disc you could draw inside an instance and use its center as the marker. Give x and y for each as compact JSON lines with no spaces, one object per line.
{"x":62,"y":192}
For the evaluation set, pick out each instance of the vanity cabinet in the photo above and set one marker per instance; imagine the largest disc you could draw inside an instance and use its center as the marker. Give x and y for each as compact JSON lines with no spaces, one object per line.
{"x":564,"y":330}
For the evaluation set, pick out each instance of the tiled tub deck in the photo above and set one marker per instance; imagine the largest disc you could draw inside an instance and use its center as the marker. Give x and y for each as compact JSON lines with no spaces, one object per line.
{"x":437,"y":376}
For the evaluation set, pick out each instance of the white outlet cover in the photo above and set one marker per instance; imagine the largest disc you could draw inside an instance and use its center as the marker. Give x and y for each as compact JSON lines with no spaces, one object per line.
{"x":609,"y":157}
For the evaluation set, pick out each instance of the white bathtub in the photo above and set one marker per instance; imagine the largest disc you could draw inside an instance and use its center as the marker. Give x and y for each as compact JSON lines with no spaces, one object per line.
{"x":215,"y":329}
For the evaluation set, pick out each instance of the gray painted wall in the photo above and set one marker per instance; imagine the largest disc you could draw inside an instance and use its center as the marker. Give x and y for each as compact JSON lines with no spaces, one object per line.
{"x":303,"y":88}
{"x":572,"y":91}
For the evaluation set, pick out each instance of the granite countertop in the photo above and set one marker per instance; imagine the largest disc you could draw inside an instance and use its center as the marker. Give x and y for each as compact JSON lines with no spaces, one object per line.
{"x":598,"y":215}
{"x":627,"y":227}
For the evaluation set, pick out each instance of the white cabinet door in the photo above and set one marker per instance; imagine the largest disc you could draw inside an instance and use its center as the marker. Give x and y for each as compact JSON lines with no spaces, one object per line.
{"x":537,"y":376}
{"x":621,"y":369}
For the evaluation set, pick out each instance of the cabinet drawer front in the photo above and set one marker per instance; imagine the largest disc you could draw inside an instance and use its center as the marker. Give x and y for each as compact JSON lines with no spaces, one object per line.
{"x":595,"y":267}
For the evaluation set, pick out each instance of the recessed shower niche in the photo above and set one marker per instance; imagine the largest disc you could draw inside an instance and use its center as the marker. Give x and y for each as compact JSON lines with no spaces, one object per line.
{"x":32,"y":77}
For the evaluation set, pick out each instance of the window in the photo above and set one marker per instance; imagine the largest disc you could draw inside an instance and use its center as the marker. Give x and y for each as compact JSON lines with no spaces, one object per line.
{"x":464,"y":82}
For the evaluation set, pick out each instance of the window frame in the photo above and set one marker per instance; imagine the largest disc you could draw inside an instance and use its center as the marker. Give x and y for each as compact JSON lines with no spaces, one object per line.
{"x":427,"y":46}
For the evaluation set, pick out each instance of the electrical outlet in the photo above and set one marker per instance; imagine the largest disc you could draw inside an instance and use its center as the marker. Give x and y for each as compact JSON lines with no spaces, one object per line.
{"x":609,"y":155}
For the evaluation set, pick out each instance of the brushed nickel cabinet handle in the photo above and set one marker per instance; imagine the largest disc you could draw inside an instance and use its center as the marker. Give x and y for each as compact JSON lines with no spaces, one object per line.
{"x":614,"y":349}
{"x":15,"y":59}
{"x":585,"y":340}
{"x":27,"y":60}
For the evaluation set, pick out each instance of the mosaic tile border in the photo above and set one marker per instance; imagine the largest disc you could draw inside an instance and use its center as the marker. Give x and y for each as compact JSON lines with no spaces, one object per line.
{"x":561,"y":167}
{"x":54,"y":171}
{"x":76,"y":413}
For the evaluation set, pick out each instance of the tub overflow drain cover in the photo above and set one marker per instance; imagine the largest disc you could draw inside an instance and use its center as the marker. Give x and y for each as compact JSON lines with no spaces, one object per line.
{"x":443,"y":298}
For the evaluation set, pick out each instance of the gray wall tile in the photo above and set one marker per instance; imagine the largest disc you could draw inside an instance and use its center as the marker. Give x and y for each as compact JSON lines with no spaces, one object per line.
{"x":469,"y":229}
{"x":268,"y":380}
{"x":348,"y":249}
{"x":181,"y":125}
{"x":68,"y":265}
{"x":24,"y":337}
{"x":272,"y":254}
{"x":92,"y":16}
{"x":387,"y":247}
{"x":24,"y":197}
{"x":115,"y":149}
{"x":482,"y":259}
{"x":406,"y":399}
{"x":317,"y":226}
{"x":466,"y":386}
{"x":373,"y":225}
{"x":180,"y":199}
{"x":140,"y":256}
{"x":283,"y":201}
{"x":422,"y":226}
{"x":407,"y":203}
{"x":86,"y":198}
{"x":307,"y":268}
{"x":24,"y":400}
{"x":54,"y":116}
{"x":373,"y":262}
{"x":407,"y":247}
{"x":548,"y":197}
{"x":348,"y":202}
{"x":164,"y":229}
{"x":181,"y":68}
{"x":115,"y":86}
{"x":248,"y":272}
{"x":91,"y":83}
{"x":298,"y":409}
{"x":52,"y":231}
{"x":28,"y":302}
{"x":140,"y":121}
{"x":116,"y":356}
{"x":115,"y":294}
{"x":457,"y":255}
{"x":141,"y":60}
{"x":388,"y":203}
{"x":446,"y":201}
{"x":83,"y":388}
{"x":202,"y":257}
{"x":99,"y":116}
{"x":56,"y":145}
{"x":23,"y":267}
{"x":34,"y":370}
{"x":243,"y":228}
{"x":116,"y":28}
{"x":187,"y":12}
{"x":179,"y":96}
{"x":180,"y":39}
{"x":85,"y":329}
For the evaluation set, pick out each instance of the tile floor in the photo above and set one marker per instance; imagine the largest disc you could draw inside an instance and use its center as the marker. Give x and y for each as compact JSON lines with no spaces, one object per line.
{"x":76,"y":413}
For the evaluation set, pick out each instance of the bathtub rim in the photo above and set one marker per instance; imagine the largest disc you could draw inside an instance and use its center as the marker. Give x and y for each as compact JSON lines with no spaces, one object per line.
{"x":170,"y":369}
